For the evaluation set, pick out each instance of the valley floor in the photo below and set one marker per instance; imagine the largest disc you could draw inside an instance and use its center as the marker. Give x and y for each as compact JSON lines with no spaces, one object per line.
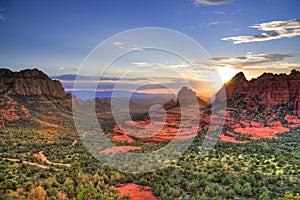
{"x":253,"y":170}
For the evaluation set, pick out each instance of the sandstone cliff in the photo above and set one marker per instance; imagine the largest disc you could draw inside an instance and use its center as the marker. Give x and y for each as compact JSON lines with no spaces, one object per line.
{"x":31,"y":97}
{"x":266,"y":91}
{"x":28,"y":83}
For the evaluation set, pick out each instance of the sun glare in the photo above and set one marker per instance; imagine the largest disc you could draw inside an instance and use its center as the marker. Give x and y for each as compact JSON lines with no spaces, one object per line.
{"x":226,"y":73}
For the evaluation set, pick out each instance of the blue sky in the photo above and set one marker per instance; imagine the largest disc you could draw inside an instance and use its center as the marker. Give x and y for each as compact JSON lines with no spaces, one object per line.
{"x":56,"y":36}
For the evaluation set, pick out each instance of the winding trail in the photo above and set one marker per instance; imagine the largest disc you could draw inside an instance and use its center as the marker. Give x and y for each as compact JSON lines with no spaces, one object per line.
{"x":44,"y":159}
{"x":73,"y":144}
{"x":31,"y":163}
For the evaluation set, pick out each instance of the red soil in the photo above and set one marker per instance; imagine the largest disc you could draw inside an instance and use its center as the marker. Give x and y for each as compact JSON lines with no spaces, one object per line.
{"x":263,"y":132}
{"x":120,"y":148}
{"x":136,"y":192}
{"x":256,"y":124}
{"x":160,"y":130}
{"x":293,"y":121}
{"x":122,"y":138}
{"x":226,"y":138}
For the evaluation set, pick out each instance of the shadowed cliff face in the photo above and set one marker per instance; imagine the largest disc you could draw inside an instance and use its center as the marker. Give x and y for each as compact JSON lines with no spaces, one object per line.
{"x":30,"y":96}
{"x":28,"y":83}
{"x":236,"y":87}
{"x":186,"y":97}
{"x":266,"y":91}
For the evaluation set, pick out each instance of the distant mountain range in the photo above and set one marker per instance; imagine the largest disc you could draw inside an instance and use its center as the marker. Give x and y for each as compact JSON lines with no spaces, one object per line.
{"x":84,"y":95}
{"x":67,"y":82}
{"x":72,"y":77}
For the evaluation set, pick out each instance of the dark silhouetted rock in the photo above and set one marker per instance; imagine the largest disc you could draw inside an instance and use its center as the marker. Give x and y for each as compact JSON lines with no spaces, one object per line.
{"x":187,"y":97}
{"x":171,"y":104}
{"x":236,"y":87}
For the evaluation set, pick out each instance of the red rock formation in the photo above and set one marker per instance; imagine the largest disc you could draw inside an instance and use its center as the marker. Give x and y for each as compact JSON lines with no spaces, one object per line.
{"x":29,"y":82}
{"x":263,"y":107}
{"x":31,"y":94}
{"x":10,"y":110}
{"x":171,"y":104}
{"x":267,"y":90}
{"x":235,"y":87}
{"x":102,"y":105}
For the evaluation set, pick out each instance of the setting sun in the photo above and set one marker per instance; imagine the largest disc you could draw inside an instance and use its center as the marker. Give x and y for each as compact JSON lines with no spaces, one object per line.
{"x":226,"y":73}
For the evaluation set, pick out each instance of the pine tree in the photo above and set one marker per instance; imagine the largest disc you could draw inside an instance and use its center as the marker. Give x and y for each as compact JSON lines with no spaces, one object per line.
{"x":264,"y":196}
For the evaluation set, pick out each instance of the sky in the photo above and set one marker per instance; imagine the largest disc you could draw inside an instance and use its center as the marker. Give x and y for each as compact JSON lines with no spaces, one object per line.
{"x":236,"y":35}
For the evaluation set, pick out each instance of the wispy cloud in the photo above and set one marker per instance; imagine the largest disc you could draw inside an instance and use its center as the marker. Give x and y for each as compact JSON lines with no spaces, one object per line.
{"x":250,"y":60}
{"x":219,"y":22}
{"x":135,"y":49}
{"x":118,"y":43}
{"x":2,"y":16}
{"x":211,"y":2}
{"x":271,"y":31}
{"x":237,"y":29}
{"x":142,"y":64}
{"x":122,"y":45}
{"x":185,"y":65}
{"x":211,"y":23}
{"x":278,"y":68}
{"x":220,"y":12}
{"x":275,"y":67}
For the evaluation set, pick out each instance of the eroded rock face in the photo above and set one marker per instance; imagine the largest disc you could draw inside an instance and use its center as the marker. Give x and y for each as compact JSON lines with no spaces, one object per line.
{"x":266,"y":91}
{"x":10,"y":110}
{"x":29,"y":82}
{"x":236,"y":87}
{"x":31,"y":94}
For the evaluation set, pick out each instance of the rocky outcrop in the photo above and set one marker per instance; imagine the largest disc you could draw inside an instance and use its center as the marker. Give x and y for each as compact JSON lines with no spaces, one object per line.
{"x":266,"y":91}
{"x":186,"y":97}
{"x":11,"y":111}
{"x":236,"y":87}
{"x":259,"y":108}
{"x":28,"y":83}
{"x":31,"y":97}
{"x":171,"y":104}
{"x":102,"y":105}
